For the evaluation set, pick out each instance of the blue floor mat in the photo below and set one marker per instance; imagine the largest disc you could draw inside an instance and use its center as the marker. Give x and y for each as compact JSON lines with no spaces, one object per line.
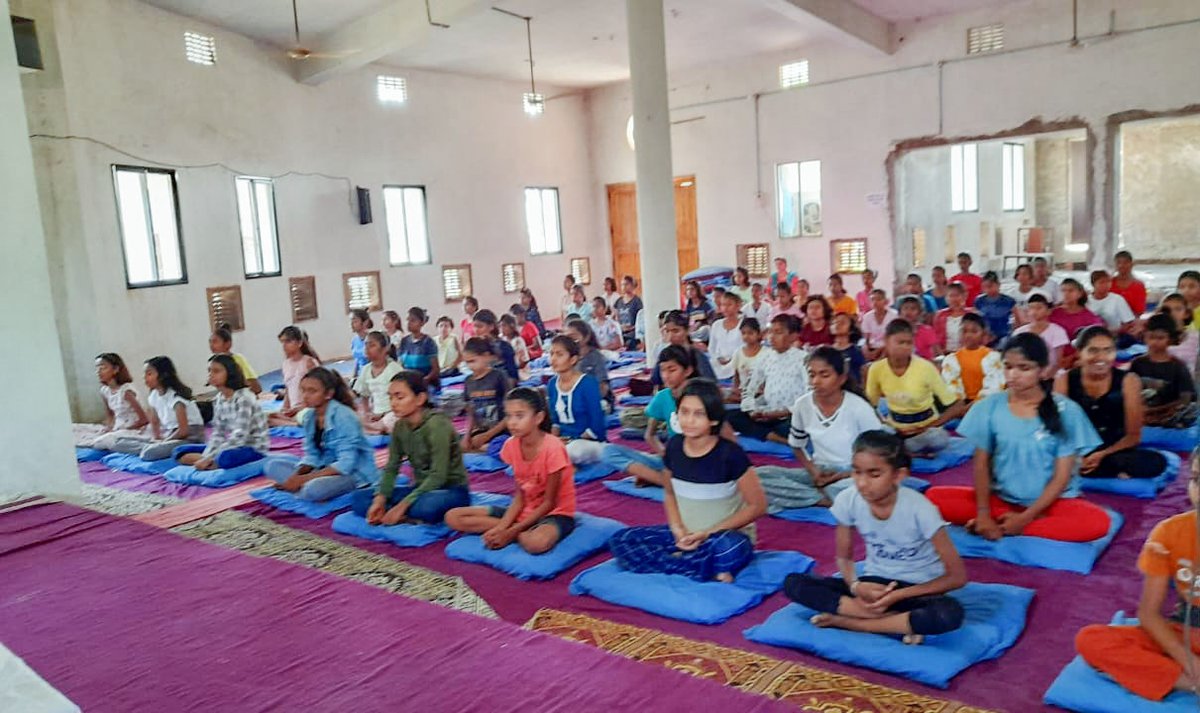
{"x":766,"y":448}
{"x":483,"y":463}
{"x":1137,"y":487}
{"x":407,"y":534}
{"x":88,"y":455}
{"x":132,"y":464}
{"x":636,"y":400}
{"x":220,"y":478}
{"x":1078,"y":557}
{"x":284,"y":500}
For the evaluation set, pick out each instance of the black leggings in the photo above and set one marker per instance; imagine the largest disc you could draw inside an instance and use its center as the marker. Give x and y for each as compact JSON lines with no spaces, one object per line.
{"x":927,"y":616}
{"x":1133,"y":462}
{"x":747,"y":426}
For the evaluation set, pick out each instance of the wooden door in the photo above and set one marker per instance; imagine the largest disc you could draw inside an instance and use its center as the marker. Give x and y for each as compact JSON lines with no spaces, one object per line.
{"x":622,"y":226}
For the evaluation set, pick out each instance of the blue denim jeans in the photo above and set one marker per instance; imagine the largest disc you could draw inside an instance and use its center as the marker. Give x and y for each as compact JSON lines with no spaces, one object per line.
{"x":280,"y":468}
{"x":430,"y":507}
{"x":228,"y":458}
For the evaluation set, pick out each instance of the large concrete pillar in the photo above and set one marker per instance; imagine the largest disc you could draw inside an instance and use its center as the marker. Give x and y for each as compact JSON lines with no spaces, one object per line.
{"x":35,"y":422}
{"x":655,"y":180}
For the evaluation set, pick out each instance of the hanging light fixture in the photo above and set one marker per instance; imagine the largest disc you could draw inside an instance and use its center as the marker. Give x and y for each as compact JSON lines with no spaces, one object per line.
{"x":534,"y":103}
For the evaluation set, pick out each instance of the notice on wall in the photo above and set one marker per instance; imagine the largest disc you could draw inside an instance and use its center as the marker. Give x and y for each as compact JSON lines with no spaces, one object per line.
{"x":876,"y":200}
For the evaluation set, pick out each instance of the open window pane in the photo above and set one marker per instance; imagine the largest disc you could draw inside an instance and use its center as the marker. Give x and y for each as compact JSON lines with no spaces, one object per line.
{"x":149,"y":226}
{"x":246,"y":225}
{"x":268,"y":240}
{"x":408,"y":237}
{"x":542,"y":220}
{"x":964,"y":178}
{"x":135,"y":231}
{"x":1012,"y":178}
{"x":787,"y":180}
{"x":414,"y":224}
{"x":161,"y":191}
{"x":256,"y":221}
{"x":810,"y":197}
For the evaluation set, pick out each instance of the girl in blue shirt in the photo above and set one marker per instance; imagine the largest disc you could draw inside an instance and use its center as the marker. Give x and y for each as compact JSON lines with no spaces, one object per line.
{"x":1028,"y":444}
{"x":337,"y":457}
{"x":576,"y":409}
{"x":360,"y":324}
{"x":418,"y":351}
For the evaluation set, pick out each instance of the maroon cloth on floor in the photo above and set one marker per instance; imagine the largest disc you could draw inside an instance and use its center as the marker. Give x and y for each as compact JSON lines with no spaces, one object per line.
{"x":121,"y":616}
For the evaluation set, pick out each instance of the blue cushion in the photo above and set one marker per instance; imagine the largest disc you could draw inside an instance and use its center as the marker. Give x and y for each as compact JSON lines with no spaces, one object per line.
{"x":636,"y":400}
{"x":309,"y":508}
{"x":590,"y":536}
{"x":380,"y":440}
{"x":1131,"y":352}
{"x":408,"y":534}
{"x":958,"y":452}
{"x":821,"y":516}
{"x":593,"y":471}
{"x":483,"y":463}
{"x":133,"y":464}
{"x":766,"y":448}
{"x":1082,"y":688}
{"x":88,"y":455}
{"x":1137,"y":487}
{"x":1181,"y":440}
{"x":625,"y":486}
{"x":219,"y":478}
{"x":271,"y":406}
{"x":1077,"y":557}
{"x":287,"y":431}
{"x":995,"y":617}
{"x":612,"y":420}
{"x":678,"y":597}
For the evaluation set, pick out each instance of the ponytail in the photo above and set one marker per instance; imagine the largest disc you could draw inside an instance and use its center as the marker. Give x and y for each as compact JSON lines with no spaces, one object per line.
{"x":330,"y":381}
{"x":292,"y":333}
{"x":1034,"y":349}
{"x":1048,"y":410}
{"x":383,"y":342}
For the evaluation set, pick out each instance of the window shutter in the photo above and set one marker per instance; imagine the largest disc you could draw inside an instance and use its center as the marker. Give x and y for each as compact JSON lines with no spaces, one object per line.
{"x":513,"y":277}
{"x":849,"y":256}
{"x":198,"y":48}
{"x":756,"y":258}
{"x":985,"y":38}
{"x":225,"y":306}
{"x":918,"y":247}
{"x":581,"y":270}
{"x":303,"y":293}
{"x":456,"y":282}
{"x":361,"y":290}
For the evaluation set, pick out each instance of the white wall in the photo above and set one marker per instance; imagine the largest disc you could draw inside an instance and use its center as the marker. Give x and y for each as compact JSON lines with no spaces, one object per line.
{"x":862,"y":103}
{"x":120,"y":77}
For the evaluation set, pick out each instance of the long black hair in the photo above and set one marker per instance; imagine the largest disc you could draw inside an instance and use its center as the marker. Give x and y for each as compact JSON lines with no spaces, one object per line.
{"x":586,"y":336}
{"x":1031,"y":346}
{"x":840,"y":363}
{"x":331,"y":381}
{"x":292,"y":333}
{"x":234,"y":378}
{"x":168,"y":377}
{"x":114,"y":360}
{"x":535,"y":400}
{"x":710,"y":395}
{"x":364,"y":317}
{"x":682,"y":356}
{"x":415,"y":381}
{"x":382,"y":341}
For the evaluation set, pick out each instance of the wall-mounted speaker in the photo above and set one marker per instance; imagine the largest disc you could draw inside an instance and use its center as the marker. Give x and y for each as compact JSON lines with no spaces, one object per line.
{"x":364,"y":205}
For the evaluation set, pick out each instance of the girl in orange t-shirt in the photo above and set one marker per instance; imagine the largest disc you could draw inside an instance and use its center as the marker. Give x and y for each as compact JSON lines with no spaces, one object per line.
{"x":542,"y":512}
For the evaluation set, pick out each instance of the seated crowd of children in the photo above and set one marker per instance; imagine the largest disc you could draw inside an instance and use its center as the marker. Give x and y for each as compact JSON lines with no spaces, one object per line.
{"x":857,"y":386}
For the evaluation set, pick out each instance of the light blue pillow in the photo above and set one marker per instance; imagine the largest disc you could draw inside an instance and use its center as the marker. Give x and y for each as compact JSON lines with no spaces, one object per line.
{"x":89,"y":455}
{"x":766,"y":448}
{"x":309,"y":508}
{"x":1084,"y":689}
{"x":132,"y":464}
{"x":995,"y":618}
{"x":612,"y":420}
{"x":379,"y":440}
{"x":590,"y":536}
{"x":1137,"y":487}
{"x":1078,"y":557}
{"x":483,"y":463}
{"x":219,"y":478}
{"x":287,"y":431}
{"x":593,"y":471}
{"x":408,"y":534}
{"x":636,"y":400}
{"x":958,"y":452}
{"x":625,"y":486}
{"x":1180,"y":440}
{"x":678,"y":597}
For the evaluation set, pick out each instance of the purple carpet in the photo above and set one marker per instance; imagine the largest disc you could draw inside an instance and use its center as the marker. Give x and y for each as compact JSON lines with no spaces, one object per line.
{"x":1064,"y":603}
{"x":120,"y":616}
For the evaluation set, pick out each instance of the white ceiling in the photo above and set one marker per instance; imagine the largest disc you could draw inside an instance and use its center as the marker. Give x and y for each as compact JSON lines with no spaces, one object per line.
{"x":576,"y":43}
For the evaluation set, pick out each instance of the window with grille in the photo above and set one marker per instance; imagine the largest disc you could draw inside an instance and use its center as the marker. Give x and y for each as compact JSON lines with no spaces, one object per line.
{"x":408,"y":234}
{"x":793,"y":74}
{"x":225,"y":307}
{"x":256,"y":219}
{"x":391,"y":90}
{"x":148,"y":213}
{"x":964,"y":178}
{"x":918,"y":247}
{"x":198,"y":48}
{"x":1012,"y":178}
{"x":581,"y":270}
{"x":542,"y":221}
{"x":985,"y":38}
{"x":361,"y":290}
{"x":303,"y":294}
{"x":756,"y":258}
{"x":456,"y":282}
{"x":849,"y":255}
{"x":798,"y":198}
{"x":512,"y":275}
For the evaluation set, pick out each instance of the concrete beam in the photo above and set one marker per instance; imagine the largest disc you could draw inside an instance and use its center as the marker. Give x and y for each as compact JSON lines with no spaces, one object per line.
{"x":848,"y":18}
{"x":399,"y":25}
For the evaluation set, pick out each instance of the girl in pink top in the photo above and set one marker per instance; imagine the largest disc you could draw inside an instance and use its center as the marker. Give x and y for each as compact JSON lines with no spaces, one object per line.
{"x":298,"y":359}
{"x":542,"y":512}
{"x":925,"y":340}
{"x":1073,"y":316}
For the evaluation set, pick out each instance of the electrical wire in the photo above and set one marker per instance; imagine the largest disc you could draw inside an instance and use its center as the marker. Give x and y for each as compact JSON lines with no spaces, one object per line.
{"x":201,"y":166}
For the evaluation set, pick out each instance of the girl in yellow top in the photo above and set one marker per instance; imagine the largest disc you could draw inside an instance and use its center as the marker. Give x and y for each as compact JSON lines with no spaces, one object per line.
{"x":910,"y":385}
{"x":974,"y":371}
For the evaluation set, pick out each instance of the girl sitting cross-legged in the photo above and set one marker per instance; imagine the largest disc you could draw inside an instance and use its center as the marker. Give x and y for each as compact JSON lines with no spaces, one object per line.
{"x":372,"y":381}
{"x":542,"y":511}
{"x":1028,"y":443}
{"x":240,"y":433}
{"x":298,"y":359}
{"x":1167,"y":383}
{"x":911,"y":562}
{"x":123,"y":413}
{"x":576,"y":407}
{"x":711,"y":496}
{"x":426,"y":438}
{"x":174,"y":417}
{"x":337,"y":457}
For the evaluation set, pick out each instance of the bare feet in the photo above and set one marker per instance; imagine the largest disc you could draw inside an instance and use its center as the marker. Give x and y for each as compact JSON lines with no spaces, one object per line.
{"x":913,"y":639}
{"x":725,"y":577}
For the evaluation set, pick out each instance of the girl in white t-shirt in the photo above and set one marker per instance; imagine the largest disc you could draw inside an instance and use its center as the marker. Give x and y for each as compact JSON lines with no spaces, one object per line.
{"x":744,"y":358}
{"x":123,"y":414}
{"x":911,"y":563}
{"x":725,"y":336}
{"x":827,"y":418}
{"x":174,"y":417}
{"x":371,"y":385}
{"x":606,"y":329}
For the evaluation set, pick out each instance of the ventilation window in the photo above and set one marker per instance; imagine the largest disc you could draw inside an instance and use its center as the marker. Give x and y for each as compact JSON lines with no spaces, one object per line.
{"x":512,"y":274}
{"x":581,"y":270}
{"x":793,"y":74}
{"x":456,"y":282}
{"x":918,"y":247}
{"x":756,"y":258}
{"x":225,"y":307}
{"x":391,"y":90}
{"x":200,"y":49}
{"x":361,"y":290}
{"x":849,"y":256}
{"x":534,"y":103}
{"x":303,"y":293}
{"x":986,"y":38}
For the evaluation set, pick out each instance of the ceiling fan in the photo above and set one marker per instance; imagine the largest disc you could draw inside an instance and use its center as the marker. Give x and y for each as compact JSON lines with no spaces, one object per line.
{"x":298,"y":51}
